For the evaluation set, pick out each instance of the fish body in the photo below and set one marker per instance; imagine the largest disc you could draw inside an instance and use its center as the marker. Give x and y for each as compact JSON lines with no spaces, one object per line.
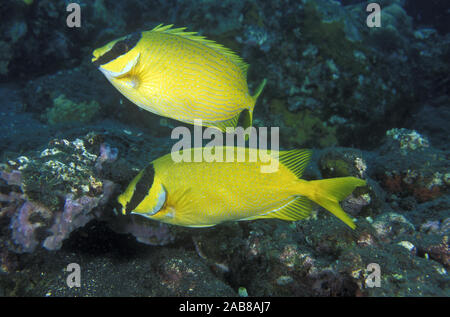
{"x":180,"y":75}
{"x":206,"y":193}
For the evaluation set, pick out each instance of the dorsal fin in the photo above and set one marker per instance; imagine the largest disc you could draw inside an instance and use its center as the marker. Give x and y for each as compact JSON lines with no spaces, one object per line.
{"x":295,"y":160}
{"x":203,"y":40}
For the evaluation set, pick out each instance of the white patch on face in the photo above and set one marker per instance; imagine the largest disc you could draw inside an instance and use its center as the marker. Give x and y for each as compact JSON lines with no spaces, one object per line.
{"x":130,"y":65}
{"x":162,"y":195}
{"x":143,"y":215}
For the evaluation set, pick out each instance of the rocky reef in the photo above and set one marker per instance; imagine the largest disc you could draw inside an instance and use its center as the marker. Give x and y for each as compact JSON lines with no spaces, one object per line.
{"x":63,"y":199}
{"x":62,"y":188}
{"x":331,"y":79}
{"x":371,"y":102}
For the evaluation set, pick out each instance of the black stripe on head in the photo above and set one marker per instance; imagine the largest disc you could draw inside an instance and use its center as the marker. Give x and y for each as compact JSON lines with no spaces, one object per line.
{"x":142,"y":188}
{"x":119,"y":48}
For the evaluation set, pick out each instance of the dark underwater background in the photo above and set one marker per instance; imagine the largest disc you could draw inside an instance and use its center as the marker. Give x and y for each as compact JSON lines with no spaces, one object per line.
{"x":371,"y":102}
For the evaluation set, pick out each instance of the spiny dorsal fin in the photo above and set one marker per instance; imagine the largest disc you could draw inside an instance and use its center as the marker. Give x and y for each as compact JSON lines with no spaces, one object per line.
{"x":203,"y":40}
{"x":295,"y":160}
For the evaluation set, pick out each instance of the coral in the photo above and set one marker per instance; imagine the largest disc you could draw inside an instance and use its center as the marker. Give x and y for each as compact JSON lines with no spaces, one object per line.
{"x":437,"y":227}
{"x":410,"y":166}
{"x":331,"y":80}
{"x":64,"y":110}
{"x":424,"y":187}
{"x":390,"y":225}
{"x":75,"y":214}
{"x":440,"y":252}
{"x":107,"y":155}
{"x":406,"y":140}
{"x":28,"y":225}
{"x":35,"y":224}
{"x":52,"y":193}
{"x":342,"y":162}
{"x":393,"y":183}
{"x":331,"y":71}
{"x":64,"y":167}
{"x":12,"y":178}
{"x":60,"y":194}
{"x":354,"y":205}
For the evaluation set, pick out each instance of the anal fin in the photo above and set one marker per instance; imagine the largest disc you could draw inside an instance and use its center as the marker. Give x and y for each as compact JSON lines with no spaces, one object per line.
{"x":241,"y":117}
{"x":296,"y":209}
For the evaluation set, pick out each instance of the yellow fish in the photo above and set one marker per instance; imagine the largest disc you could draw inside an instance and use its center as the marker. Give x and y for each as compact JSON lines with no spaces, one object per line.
{"x":180,"y":75}
{"x":206,"y":193}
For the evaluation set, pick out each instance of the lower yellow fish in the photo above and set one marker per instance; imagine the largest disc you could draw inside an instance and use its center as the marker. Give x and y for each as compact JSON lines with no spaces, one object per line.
{"x":206,"y":193}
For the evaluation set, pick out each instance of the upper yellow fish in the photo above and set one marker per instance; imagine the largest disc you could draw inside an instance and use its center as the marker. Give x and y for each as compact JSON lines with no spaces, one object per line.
{"x":206,"y":193}
{"x":180,"y":75}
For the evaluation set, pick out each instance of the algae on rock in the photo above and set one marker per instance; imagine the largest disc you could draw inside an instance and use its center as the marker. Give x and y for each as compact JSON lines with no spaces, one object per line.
{"x":65,"y":110}
{"x":303,"y":127}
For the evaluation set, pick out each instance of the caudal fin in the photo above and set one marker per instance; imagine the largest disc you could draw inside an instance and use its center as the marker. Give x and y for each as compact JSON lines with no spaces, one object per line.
{"x":244,"y":118}
{"x":328,"y":192}
{"x":325,"y":192}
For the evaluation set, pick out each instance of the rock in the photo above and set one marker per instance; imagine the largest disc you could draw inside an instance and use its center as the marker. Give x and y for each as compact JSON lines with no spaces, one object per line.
{"x":390,"y":225}
{"x":60,"y":194}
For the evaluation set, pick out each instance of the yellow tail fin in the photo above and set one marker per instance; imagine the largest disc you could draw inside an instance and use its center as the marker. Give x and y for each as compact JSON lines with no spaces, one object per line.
{"x":328,"y":192}
{"x":325,"y":192}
